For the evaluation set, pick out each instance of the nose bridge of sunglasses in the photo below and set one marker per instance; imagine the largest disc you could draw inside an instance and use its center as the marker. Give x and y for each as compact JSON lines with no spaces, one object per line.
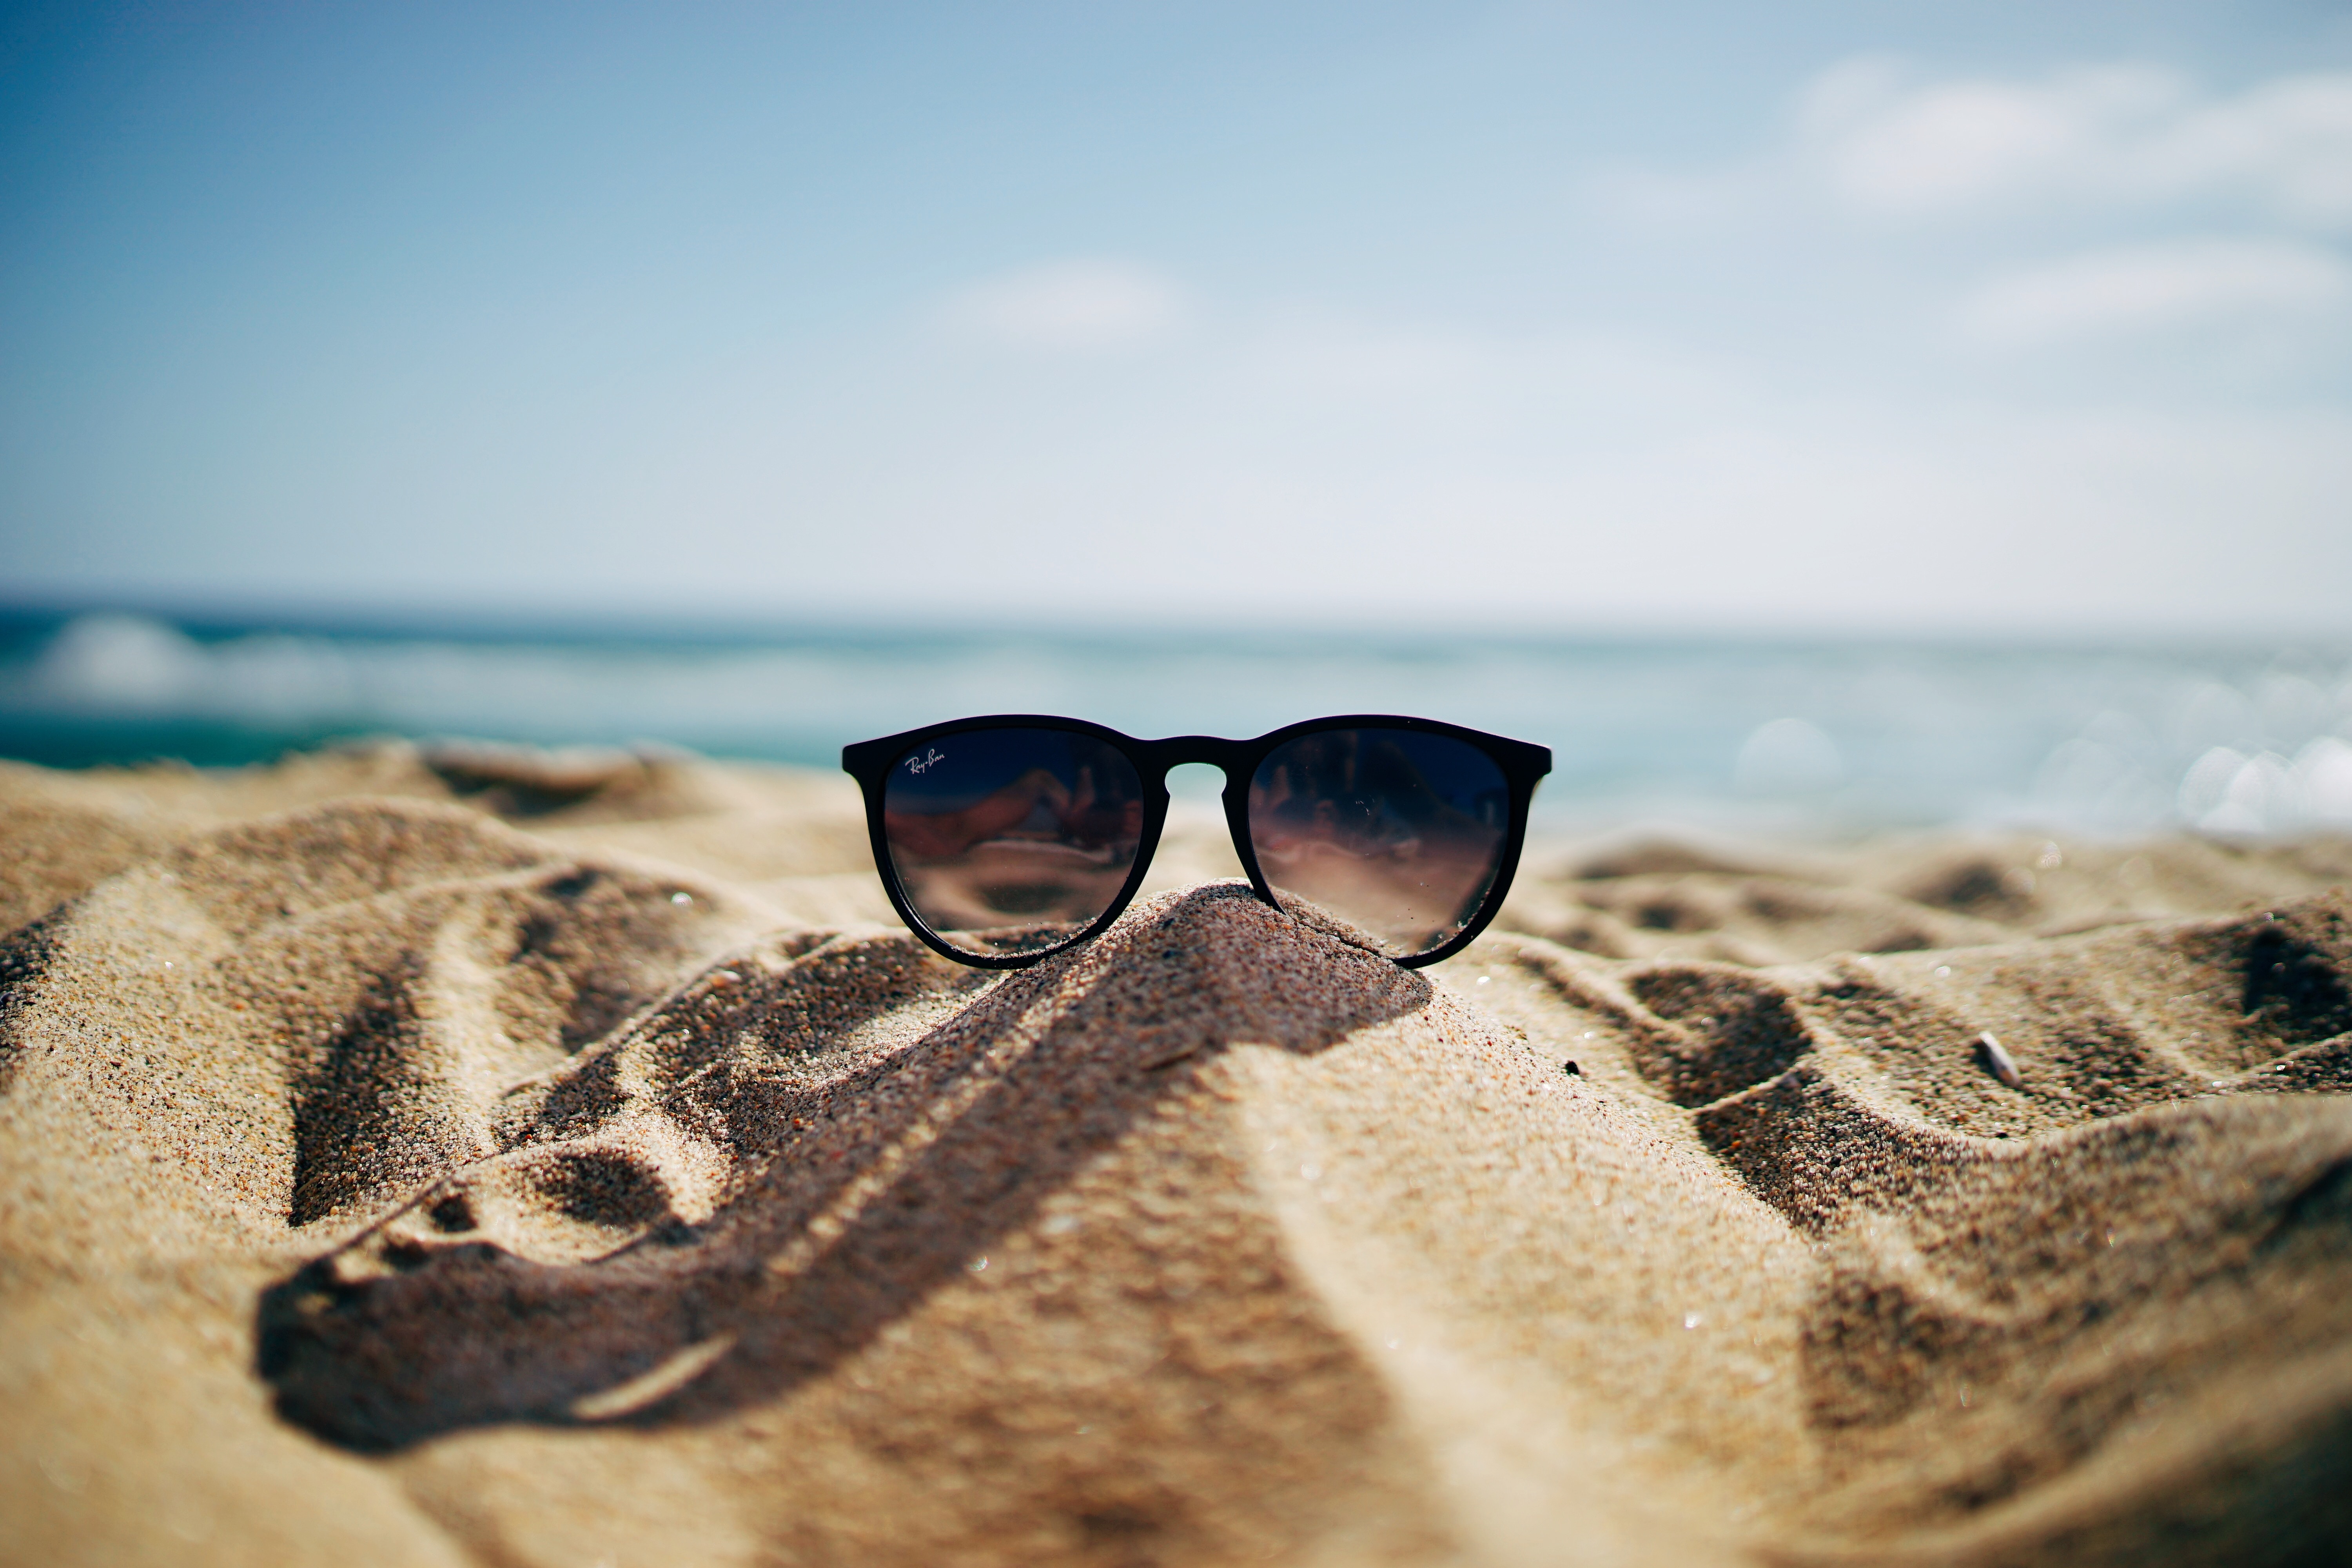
{"x":1196,"y":846}
{"x":1196,"y":782}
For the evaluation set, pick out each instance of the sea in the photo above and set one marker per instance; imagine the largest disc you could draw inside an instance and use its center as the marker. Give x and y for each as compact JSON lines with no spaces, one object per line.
{"x":1823,"y":739}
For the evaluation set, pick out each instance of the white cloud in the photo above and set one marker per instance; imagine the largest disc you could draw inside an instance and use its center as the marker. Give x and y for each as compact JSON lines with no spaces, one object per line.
{"x":1338,"y":357}
{"x":1426,"y":468}
{"x":1882,"y":141}
{"x":1083,"y":305}
{"x":2155,"y":288}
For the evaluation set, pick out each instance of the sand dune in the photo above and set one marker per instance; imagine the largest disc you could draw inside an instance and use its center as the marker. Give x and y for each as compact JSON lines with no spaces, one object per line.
{"x":474,"y":1157}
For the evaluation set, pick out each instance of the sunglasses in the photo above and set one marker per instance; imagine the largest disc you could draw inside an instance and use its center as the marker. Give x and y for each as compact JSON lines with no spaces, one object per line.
{"x":1002,"y":840}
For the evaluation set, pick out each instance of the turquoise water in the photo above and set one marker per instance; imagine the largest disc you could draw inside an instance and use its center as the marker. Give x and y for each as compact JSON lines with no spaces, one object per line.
{"x":1741,"y":735}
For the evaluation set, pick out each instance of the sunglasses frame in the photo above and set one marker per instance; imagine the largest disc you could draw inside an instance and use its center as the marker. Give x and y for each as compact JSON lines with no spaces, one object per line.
{"x":1522,"y":764}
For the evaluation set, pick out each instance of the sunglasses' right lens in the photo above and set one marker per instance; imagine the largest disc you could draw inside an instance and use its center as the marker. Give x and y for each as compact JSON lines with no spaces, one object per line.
{"x":1010,"y":841}
{"x":1398,"y":832}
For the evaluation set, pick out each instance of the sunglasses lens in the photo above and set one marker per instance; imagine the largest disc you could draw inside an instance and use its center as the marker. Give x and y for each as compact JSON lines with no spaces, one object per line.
{"x":1010,"y":841}
{"x":1398,"y":832}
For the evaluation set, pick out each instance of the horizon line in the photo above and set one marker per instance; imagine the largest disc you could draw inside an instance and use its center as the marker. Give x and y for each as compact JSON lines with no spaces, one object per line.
{"x":217,"y":617}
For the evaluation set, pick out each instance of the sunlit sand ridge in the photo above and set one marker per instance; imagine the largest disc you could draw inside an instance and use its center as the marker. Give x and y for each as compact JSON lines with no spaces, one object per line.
{"x":476,"y":1158}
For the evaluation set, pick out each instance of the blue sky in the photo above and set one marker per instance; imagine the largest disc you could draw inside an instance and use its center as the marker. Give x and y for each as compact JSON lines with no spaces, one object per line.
{"x":1678,"y":317}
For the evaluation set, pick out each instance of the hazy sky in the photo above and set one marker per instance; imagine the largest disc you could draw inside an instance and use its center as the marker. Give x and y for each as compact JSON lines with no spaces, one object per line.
{"x":1685,"y":315}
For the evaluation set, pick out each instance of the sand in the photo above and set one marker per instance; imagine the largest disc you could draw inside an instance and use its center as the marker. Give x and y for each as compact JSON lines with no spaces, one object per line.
{"x":489,"y":1158}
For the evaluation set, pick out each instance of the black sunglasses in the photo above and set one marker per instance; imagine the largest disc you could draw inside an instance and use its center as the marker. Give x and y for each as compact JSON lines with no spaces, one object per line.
{"x":1003,"y":839}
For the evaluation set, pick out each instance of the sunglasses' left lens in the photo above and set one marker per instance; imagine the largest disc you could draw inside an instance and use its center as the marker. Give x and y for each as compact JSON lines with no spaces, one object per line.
{"x":1011,"y":841}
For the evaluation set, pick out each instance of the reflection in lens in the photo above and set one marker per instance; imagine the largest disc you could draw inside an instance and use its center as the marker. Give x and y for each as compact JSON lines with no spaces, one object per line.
{"x":1012,"y":840}
{"x":1397,"y":832}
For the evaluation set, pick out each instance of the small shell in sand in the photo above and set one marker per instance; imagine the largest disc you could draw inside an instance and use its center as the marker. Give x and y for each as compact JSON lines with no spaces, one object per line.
{"x":1998,"y":1061}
